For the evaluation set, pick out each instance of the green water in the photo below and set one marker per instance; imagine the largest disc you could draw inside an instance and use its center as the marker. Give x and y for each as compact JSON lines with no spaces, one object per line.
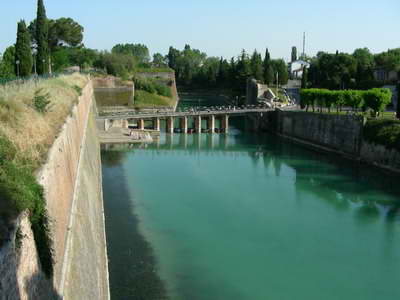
{"x":250,"y":216}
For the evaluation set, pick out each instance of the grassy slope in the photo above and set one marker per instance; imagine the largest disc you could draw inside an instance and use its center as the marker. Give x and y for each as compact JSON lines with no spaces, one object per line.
{"x":30,"y":132}
{"x":148,"y":100}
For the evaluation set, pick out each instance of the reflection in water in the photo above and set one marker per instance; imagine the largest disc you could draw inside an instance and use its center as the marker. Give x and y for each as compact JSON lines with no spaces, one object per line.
{"x":254,"y":217}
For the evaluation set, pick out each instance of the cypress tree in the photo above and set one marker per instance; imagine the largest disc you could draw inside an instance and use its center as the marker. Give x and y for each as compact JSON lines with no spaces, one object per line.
{"x":256,"y":66}
{"x":42,"y":39}
{"x":23,"y":53}
{"x":304,"y":78}
{"x":294,"y":54}
{"x":267,"y":68}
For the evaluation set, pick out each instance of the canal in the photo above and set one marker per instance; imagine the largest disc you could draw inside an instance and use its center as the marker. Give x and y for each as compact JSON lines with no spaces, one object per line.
{"x":247,"y":216}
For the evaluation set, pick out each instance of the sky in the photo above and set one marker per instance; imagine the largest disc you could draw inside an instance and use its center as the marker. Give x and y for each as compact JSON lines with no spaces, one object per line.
{"x":222,"y":27}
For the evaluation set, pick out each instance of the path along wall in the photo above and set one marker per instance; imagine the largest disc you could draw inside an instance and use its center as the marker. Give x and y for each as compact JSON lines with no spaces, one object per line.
{"x":72,"y":183}
{"x":342,"y":134}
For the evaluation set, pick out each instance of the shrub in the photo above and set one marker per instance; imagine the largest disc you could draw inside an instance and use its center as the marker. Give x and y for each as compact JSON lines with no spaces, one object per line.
{"x":41,"y":101}
{"x":152,"y":86}
{"x":384,"y":132}
{"x":19,"y":191}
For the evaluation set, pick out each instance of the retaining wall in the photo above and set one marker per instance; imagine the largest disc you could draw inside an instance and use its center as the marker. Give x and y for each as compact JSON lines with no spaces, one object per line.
{"x":342,"y":134}
{"x":72,"y":184}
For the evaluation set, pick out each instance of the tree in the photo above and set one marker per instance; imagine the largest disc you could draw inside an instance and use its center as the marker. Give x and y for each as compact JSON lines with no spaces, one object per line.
{"x":23,"y":55}
{"x":256,"y":66}
{"x":42,"y":39}
{"x":304,"y":78}
{"x":294,"y":54}
{"x":159,"y":60}
{"x":398,"y":101}
{"x":365,"y":65}
{"x":267,"y":68}
{"x":138,"y":51}
{"x":280,"y":67}
{"x":7,"y":63}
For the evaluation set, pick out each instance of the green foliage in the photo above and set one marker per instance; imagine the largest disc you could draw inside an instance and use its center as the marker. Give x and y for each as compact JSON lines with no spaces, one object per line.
{"x":42,"y":40}
{"x":398,"y":102}
{"x":256,"y":66}
{"x":159,"y":61}
{"x":279,"y":66}
{"x":23,"y":55}
{"x":41,"y":101}
{"x":78,"y":89}
{"x":146,"y":99}
{"x":383,"y":132}
{"x":294,"y":54}
{"x":152,"y":86}
{"x":7,"y":63}
{"x":267,"y":68}
{"x":138,"y":51}
{"x":19,"y":192}
{"x":375,"y":99}
{"x":304,"y":79}
{"x":116,"y":64}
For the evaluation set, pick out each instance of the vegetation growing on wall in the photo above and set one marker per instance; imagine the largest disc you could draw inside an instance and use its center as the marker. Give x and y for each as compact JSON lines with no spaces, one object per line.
{"x":153,"y":86}
{"x":383,"y":132}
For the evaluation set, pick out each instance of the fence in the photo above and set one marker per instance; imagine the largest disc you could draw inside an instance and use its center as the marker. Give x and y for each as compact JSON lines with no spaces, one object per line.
{"x":23,"y":80}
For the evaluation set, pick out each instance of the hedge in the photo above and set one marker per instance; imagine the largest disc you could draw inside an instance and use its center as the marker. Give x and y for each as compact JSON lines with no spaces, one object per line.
{"x":375,"y":99}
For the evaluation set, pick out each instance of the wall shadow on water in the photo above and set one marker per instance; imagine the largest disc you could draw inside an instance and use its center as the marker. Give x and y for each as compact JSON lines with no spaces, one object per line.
{"x":132,"y":265}
{"x":332,"y":178}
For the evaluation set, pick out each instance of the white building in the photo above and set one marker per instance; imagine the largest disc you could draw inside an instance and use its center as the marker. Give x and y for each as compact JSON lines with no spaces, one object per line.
{"x":296,"y":68}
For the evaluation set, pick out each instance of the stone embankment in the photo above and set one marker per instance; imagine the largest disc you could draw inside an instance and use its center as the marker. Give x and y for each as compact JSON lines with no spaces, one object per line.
{"x":72,"y":183}
{"x":341,"y":134}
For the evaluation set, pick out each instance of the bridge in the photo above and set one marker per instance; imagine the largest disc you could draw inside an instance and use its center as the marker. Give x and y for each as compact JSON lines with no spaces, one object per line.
{"x":124,"y":118}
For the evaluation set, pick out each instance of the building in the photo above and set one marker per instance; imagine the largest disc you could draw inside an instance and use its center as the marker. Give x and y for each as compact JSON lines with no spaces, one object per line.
{"x":296,"y":68}
{"x":381,"y":74}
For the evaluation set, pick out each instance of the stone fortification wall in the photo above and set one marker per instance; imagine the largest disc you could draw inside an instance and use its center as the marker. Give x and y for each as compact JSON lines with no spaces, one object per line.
{"x":254,"y":91}
{"x":58,"y":176}
{"x":72,"y":184}
{"x":21,"y":276}
{"x":341,"y":134}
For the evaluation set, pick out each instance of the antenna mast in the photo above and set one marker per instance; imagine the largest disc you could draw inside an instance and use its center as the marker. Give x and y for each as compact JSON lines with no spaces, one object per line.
{"x":304,"y":46}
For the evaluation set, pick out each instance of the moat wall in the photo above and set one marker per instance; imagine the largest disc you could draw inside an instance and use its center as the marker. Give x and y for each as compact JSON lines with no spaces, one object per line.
{"x":341,"y":134}
{"x":72,"y":184}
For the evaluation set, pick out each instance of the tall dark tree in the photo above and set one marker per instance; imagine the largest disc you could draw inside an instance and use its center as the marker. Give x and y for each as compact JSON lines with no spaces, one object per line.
{"x":294,"y":54}
{"x":256,"y":65}
{"x":267,"y":68}
{"x":42,"y":39}
{"x":304,"y":78}
{"x":23,"y":55}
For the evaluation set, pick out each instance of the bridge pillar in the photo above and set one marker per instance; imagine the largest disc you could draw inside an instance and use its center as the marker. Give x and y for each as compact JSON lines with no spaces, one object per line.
{"x":225,"y":123}
{"x":198,"y":124}
{"x":211,"y":123}
{"x":156,"y":124}
{"x":170,"y":125}
{"x":184,"y":124}
{"x":107,"y":124}
{"x":141,"y":124}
